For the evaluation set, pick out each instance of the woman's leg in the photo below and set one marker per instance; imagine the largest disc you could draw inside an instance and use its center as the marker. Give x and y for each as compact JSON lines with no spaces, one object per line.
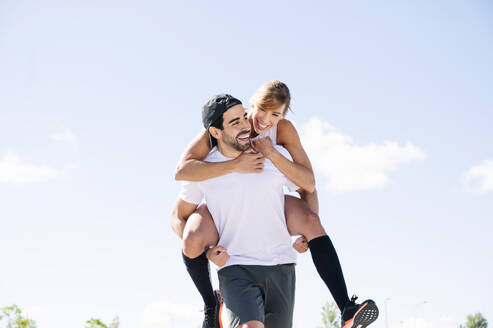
{"x":200,"y":232}
{"x":301,"y":220}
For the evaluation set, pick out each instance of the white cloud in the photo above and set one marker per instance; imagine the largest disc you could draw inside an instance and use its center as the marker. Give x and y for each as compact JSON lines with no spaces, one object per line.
{"x":167,"y":314}
{"x":349,"y":166}
{"x":66,"y":136}
{"x":480,"y":178}
{"x":14,"y":171}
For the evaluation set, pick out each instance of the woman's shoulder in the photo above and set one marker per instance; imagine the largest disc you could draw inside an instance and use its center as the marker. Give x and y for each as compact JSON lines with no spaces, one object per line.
{"x":286,"y":132}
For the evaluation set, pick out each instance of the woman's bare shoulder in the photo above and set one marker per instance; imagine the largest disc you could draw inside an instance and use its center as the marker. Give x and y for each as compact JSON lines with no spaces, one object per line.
{"x":285,"y":124}
{"x":286,"y":132}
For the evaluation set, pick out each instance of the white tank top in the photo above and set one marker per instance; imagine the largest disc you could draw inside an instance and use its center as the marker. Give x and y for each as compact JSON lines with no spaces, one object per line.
{"x":272,"y":133}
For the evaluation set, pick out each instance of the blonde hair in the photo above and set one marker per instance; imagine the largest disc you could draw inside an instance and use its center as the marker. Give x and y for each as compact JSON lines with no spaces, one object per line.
{"x":272,"y":95}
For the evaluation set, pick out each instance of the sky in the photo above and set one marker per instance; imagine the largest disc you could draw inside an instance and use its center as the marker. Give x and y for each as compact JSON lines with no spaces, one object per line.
{"x":392,"y":100}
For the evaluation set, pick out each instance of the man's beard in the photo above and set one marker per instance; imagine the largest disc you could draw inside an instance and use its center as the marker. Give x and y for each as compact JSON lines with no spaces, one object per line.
{"x":233,"y":141}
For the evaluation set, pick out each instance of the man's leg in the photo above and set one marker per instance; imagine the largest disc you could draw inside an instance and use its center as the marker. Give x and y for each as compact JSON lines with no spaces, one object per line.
{"x":279,"y":296}
{"x":200,"y":232}
{"x":243,"y":297}
{"x":252,"y":324}
{"x":301,"y":220}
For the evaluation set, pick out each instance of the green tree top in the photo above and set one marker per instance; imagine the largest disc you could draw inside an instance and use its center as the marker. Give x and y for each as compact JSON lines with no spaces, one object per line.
{"x":12,"y":316}
{"x":97,"y":323}
{"x":330,"y":316}
{"x":475,"y":321}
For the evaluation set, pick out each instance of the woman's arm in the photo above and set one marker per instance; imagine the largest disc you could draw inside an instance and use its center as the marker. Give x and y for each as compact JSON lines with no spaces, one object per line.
{"x":192,"y":167}
{"x":289,"y":138}
{"x":300,"y":170}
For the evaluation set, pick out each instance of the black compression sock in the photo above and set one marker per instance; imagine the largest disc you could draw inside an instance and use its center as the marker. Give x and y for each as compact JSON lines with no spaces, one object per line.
{"x":198,"y":269}
{"x":327,"y":263}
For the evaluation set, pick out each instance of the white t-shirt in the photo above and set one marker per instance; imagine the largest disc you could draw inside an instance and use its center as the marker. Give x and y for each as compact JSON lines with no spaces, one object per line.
{"x":248,"y":210}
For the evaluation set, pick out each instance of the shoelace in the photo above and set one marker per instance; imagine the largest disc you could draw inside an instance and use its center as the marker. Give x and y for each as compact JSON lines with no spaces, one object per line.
{"x":209,"y":314}
{"x":350,"y":307}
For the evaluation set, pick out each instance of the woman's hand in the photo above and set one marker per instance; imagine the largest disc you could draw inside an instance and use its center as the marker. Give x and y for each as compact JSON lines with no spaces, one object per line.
{"x":263,"y":145}
{"x":249,"y":162}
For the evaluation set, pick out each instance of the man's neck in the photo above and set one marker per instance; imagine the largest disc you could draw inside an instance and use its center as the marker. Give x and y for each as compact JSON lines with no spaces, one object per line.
{"x":228,"y":151}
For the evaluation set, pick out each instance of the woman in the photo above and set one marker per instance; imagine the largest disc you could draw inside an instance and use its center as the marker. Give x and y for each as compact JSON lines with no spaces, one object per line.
{"x":269,"y":106}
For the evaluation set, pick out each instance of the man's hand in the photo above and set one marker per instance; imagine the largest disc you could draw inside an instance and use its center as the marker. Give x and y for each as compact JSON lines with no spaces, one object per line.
{"x":218,"y":255}
{"x":249,"y":162}
{"x":263,"y":145}
{"x":300,"y":244}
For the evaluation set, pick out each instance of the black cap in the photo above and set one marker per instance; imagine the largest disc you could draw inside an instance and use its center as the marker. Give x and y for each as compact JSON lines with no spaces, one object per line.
{"x":214,"y":108}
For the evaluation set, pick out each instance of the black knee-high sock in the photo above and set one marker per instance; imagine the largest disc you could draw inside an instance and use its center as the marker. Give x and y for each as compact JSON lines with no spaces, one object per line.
{"x":327,"y":263}
{"x":198,"y":269}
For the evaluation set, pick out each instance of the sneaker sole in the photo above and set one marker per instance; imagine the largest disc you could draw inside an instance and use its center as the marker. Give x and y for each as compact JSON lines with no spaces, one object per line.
{"x":219,"y":298}
{"x":366,"y":315}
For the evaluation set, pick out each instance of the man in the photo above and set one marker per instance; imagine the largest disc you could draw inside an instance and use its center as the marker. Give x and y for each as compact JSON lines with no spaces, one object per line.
{"x":257,"y":280}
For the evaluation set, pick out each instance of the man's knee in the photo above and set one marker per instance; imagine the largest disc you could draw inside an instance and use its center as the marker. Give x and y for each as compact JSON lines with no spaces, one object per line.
{"x":193,"y":244}
{"x":251,"y":324}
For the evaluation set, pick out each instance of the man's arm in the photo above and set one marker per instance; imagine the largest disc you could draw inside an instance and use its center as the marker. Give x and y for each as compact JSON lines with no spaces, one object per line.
{"x":179,"y":215}
{"x":301,"y":243}
{"x":310,"y":198}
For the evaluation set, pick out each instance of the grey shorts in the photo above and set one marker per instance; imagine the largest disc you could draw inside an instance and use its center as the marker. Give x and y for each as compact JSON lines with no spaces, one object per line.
{"x":257,"y":292}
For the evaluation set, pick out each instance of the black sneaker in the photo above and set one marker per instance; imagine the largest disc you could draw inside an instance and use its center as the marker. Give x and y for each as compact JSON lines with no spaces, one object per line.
{"x":212,"y":314}
{"x":359,"y":315}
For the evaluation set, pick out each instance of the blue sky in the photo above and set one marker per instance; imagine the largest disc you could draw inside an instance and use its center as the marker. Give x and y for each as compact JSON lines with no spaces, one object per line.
{"x":98,"y":99}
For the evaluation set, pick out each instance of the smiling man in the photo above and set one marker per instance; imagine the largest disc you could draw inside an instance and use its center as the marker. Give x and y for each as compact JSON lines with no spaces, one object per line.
{"x":256,"y":275}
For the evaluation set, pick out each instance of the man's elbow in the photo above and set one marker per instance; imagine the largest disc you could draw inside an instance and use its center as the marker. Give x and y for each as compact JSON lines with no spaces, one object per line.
{"x":177,"y":224}
{"x":307,"y":190}
{"x":310,"y":190}
{"x":310,"y":187}
{"x":173,"y":218}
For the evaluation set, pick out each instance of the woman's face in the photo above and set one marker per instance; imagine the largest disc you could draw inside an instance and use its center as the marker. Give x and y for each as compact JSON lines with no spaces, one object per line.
{"x":263,"y":120}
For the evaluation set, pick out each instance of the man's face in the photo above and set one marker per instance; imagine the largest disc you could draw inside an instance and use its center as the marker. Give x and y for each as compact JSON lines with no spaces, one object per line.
{"x":236,"y":132}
